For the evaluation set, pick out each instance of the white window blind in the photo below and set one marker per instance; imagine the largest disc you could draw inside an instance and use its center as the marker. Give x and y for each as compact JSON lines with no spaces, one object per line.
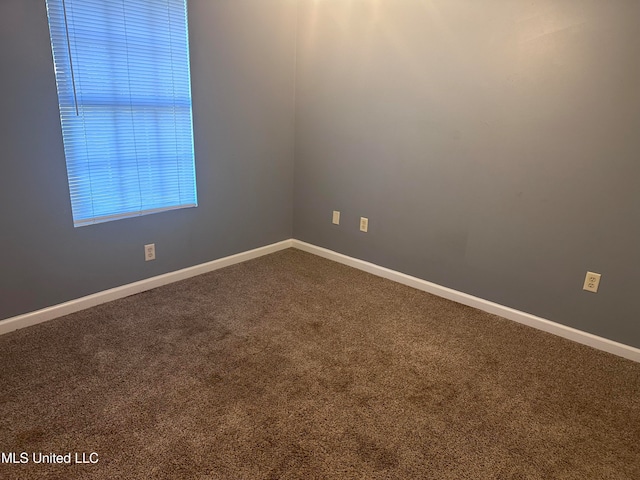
{"x":122,"y":71}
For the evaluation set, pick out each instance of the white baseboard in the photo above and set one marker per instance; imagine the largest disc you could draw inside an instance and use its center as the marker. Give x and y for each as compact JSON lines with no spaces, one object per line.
{"x":579,"y":336}
{"x":55,"y":311}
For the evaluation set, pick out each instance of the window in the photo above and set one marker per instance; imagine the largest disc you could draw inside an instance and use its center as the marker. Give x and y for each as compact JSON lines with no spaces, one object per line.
{"x":122,"y":72}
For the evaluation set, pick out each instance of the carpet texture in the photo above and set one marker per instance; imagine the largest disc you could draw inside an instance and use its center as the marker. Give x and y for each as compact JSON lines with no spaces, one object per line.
{"x":291,"y":366}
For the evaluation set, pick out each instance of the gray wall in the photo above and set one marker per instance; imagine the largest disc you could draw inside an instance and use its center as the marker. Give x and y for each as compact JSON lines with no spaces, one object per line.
{"x":494,"y":146}
{"x":242,"y":58}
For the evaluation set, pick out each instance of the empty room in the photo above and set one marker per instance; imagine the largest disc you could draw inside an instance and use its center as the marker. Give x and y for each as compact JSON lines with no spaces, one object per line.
{"x":319,"y":239}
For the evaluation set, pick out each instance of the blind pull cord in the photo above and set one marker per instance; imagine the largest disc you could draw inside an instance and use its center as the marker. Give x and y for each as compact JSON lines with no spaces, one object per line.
{"x":73,"y":77}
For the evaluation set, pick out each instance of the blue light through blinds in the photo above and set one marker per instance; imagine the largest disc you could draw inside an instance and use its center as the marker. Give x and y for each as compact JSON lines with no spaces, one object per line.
{"x":122,"y":70}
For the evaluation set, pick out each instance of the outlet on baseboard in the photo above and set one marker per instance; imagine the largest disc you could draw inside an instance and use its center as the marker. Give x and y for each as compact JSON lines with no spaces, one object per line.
{"x":364,"y":224}
{"x":591,"y":282}
{"x":150,"y":252}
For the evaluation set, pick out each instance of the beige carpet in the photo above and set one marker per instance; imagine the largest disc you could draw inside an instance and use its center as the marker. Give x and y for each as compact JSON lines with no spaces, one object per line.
{"x":292,"y":366}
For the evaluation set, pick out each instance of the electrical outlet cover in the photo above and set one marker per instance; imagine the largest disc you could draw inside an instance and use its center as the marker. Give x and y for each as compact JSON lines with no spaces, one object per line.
{"x":150,"y":252}
{"x":591,"y":282}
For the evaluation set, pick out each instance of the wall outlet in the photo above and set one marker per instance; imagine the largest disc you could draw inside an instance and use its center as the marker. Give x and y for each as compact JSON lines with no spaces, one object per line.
{"x":364,"y":224}
{"x":150,"y":252}
{"x":336,"y":217}
{"x":591,"y":282}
